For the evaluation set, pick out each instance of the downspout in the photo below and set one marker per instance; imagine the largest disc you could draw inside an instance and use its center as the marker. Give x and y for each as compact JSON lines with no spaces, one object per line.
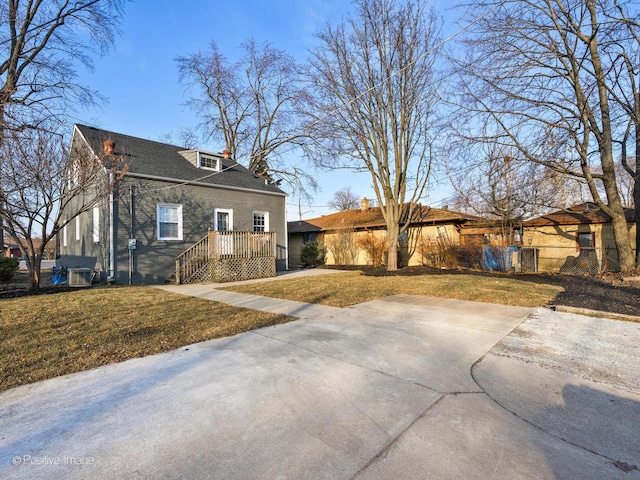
{"x":131,"y":235}
{"x":286,"y":238}
{"x":112,"y":245}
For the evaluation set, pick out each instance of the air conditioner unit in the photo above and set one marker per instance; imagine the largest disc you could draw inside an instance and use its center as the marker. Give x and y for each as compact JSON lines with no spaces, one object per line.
{"x":80,"y":277}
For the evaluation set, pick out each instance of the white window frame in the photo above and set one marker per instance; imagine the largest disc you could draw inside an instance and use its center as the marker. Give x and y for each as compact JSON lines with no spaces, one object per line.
{"x":96,"y":225}
{"x":64,"y":235}
{"x":78,"y":228}
{"x":217,"y":160}
{"x":159,"y":206}
{"x":222,"y":210}
{"x":265,"y":214}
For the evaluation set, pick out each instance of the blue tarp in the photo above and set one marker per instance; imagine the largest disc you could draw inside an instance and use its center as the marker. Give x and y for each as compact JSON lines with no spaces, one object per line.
{"x":498,"y":258}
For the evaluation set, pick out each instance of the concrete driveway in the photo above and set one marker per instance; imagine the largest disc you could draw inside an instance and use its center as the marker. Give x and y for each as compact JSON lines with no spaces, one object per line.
{"x":404,"y":387}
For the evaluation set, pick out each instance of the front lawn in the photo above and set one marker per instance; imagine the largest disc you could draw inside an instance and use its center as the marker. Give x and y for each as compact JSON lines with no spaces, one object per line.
{"x":351,"y":288}
{"x":43,"y":336}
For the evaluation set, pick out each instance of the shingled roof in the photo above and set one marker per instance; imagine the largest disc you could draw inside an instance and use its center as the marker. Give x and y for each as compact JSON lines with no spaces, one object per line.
{"x":584,"y":213}
{"x":163,"y":161}
{"x":372,"y":218}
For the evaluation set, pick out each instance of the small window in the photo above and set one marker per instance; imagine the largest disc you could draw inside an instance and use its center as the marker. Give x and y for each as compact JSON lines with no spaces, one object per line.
{"x":585,"y":241}
{"x":64,"y":235}
{"x":260,"y":221}
{"x":78,"y":228}
{"x":223,"y":220}
{"x":169,"y":222}
{"x":96,"y":225}
{"x":308,"y":237}
{"x":208,"y":162}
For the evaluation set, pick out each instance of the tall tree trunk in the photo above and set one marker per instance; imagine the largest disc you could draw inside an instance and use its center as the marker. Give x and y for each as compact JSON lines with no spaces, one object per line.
{"x":34,"y":272}
{"x":392,"y":243}
{"x":392,"y":219}
{"x":625,"y":252}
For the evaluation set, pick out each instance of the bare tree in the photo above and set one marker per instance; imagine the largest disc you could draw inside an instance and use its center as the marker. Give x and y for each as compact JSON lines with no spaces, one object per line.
{"x":542,"y":71}
{"x":344,"y":199}
{"x":374,"y":99}
{"x":252,"y":106}
{"x":41,"y":41}
{"x":44,"y":187}
{"x":492,"y":182}
{"x":185,"y":137}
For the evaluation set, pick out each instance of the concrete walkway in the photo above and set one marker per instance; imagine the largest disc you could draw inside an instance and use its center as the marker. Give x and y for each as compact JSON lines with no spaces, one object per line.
{"x":381,"y":390}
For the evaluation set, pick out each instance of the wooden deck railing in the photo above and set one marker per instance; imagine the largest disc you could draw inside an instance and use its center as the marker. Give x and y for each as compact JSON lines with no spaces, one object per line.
{"x":223,"y":245}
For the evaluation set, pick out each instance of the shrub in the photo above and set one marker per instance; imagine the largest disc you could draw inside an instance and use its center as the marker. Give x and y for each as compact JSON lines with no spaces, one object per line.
{"x":312,"y":254}
{"x":342,"y":246}
{"x":8,"y":267}
{"x":375,"y":247}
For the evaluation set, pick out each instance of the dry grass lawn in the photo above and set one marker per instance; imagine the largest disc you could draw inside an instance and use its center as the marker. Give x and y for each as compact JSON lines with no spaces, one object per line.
{"x":43,"y":336}
{"x":351,"y":288}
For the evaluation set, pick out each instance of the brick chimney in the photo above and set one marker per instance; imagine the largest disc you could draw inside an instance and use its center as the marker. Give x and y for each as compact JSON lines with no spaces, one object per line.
{"x":364,"y":204}
{"x":108,"y":146}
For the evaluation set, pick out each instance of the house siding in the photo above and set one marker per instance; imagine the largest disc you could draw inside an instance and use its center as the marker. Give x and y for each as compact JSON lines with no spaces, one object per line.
{"x":153,"y":259}
{"x":296,"y":242}
{"x":410,"y":253}
{"x":555,"y":244}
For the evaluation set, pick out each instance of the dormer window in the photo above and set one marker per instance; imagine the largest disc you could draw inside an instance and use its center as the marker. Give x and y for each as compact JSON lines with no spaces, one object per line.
{"x":208,"y":162}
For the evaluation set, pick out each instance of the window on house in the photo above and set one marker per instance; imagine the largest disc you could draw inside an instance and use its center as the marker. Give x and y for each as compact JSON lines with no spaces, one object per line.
{"x":169,"y":222}
{"x":78,"y":228}
{"x":64,"y":236}
{"x":586,"y":241}
{"x":96,"y":225}
{"x":208,"y":162}
{"x":308,"y":237}
{"x":223,"y":220}
{"x":260,"y":221}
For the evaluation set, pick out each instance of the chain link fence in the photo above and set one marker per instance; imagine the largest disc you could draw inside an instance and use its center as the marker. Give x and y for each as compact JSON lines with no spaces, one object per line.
{"x":530,"y":259}
{"x":584,"y":261}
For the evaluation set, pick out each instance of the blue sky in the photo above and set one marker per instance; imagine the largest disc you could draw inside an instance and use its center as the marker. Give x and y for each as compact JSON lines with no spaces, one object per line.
{"x":139,"y":77}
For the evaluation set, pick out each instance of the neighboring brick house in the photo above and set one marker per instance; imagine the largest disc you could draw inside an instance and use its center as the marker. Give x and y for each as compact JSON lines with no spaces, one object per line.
{"x":430,"y":231}
{"x":169,"y":199}
{"x":576,"y":240}
{"x":11,"y":250}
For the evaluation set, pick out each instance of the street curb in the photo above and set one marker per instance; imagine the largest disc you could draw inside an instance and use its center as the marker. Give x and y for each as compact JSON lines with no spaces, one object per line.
{"x":595,"y":313}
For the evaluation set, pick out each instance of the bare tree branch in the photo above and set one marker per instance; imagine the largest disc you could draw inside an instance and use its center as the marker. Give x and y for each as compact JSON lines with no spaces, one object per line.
{"x":374,"y":102}
{"x":251,"y":105}
{"x":45,"y":186}
{"x":547,"y":75}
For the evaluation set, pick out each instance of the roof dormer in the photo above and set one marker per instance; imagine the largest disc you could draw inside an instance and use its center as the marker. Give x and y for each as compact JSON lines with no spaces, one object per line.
{"x":204,"y":160}
{"x":209,"y":161}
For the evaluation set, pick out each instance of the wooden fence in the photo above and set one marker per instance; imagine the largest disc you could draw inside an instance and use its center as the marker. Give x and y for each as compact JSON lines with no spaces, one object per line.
{"x":228,"y":256}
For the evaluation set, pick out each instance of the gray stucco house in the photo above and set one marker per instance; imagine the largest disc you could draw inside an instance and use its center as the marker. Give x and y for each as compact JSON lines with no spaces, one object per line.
{"x":169,"y":199}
